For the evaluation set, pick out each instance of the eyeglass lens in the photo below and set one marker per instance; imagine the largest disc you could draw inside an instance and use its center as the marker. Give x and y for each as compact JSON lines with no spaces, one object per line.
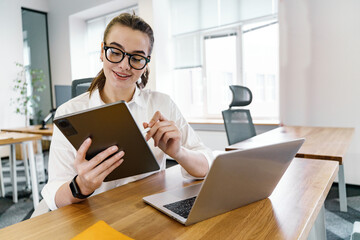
{"x":116,"y":55}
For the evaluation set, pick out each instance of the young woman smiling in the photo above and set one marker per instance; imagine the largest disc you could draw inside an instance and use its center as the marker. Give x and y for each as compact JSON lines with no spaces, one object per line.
{"x":125,"y":52}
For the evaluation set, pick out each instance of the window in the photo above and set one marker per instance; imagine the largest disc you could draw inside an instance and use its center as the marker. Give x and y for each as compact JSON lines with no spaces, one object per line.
{"x":218,"y":43}
{"x":95,"y":31}
{"x":260,"y":68}
{"x":220,"y":71}
{"x":246,"y":55}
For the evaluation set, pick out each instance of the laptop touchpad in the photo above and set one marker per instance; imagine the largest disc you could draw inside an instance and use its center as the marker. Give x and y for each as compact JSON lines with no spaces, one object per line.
{"x":187,"y":192}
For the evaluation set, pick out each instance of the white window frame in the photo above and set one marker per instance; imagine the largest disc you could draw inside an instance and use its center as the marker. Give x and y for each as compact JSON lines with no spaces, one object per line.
{"x":219,"y":33}
{"x":233,"y":28}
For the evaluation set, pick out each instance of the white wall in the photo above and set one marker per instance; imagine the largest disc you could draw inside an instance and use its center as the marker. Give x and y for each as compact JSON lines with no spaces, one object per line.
{"x":163,"y":48}
{"x":319,"y":68}
{"x":59,"y":31}
{"x":11,"y":48}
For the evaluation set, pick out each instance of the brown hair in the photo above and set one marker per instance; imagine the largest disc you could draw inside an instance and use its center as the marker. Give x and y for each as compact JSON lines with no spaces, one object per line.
{"x":136,"y":23}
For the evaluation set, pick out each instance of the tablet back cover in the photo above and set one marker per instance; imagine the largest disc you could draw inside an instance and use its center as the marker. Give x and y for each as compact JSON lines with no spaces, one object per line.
{"x":109,"y":125}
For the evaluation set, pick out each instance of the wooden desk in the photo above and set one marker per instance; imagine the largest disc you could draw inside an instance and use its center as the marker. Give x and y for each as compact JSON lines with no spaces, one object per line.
{"x":289,"y":213}
{"x":320,"y":143}
{"x":35,"y":129}
{"x":12,"y":138}
{"x":46,"y":135}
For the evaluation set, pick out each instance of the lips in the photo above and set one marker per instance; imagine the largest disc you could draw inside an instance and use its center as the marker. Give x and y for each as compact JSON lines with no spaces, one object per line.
{"x":121,"y":76}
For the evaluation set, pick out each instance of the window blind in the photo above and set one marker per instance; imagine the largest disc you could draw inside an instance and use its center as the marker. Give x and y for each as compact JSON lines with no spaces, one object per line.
{"x":192,"y":17}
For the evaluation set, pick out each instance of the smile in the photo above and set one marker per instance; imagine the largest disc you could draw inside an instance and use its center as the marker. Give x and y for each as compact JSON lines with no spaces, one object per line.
{"x":122,"y":75}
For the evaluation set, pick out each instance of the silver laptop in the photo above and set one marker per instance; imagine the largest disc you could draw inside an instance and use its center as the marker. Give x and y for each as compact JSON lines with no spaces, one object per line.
{"x":235,"y":179}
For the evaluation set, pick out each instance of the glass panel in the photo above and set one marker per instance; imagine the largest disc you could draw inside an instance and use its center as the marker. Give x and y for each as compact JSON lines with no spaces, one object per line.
{"x":187,"y":51}
{"x":220,"y":58}
{"x":256,"y":8}
{"x":260,"y":62}
{"x":195,"y":15}
{"x":187,"y":91}
{"x":229,"y":11}
{"x":95,"y":31}
{"x":185,"y":16}
{"x":36,"y":56}
{"x":209,"y":15}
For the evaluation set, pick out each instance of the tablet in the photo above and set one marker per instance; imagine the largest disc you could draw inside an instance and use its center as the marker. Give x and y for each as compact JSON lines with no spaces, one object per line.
{"x":109,"y":125}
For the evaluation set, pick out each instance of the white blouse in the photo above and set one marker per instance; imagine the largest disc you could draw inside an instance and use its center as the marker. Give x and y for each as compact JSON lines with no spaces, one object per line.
{"x":143,"y":106}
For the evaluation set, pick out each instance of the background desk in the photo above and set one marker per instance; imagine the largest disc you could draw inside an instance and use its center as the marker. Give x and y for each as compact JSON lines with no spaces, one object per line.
{"x":11,"y":138}
{"x":289,"y":213}
{"x":34,"y":129}
{"x":46,"y":134}
{"x":320,"y":143}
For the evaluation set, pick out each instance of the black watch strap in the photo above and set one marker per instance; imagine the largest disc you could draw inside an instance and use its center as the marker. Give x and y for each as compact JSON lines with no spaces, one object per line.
{"x":75,"y":190}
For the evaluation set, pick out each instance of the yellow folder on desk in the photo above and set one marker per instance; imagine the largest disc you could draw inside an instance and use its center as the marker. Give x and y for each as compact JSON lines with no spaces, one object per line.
{"x":101,"y":230}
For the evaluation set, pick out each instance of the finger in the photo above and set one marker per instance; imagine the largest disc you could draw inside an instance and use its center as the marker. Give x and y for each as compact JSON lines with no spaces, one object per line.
{"x":171,"y":135}
{"x":161,"y":132}
{"x":106,"y":164}
{"x":157,"y":117}
{"x":147,"y":137}
{"x":101,"y":157}
{"x":81,"y":153}
{"x":103,"y":175}
{"x":153,"y":131}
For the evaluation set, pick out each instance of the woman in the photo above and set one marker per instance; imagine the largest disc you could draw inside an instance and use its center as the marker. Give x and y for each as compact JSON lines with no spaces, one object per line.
{"x":125,"y":53}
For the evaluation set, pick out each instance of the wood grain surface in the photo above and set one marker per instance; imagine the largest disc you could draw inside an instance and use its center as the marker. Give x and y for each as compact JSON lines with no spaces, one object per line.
{"x":288,"y":213}
{"x":320,"y":142}
{"x":34,"y":129}
{"x":13,"y":137}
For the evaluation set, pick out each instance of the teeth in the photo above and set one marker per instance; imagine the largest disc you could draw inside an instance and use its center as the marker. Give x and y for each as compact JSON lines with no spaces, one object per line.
{"x":121,"y":75}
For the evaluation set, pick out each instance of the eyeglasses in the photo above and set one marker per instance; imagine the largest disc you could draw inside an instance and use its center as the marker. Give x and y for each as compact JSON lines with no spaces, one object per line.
{"x":115,"y":55}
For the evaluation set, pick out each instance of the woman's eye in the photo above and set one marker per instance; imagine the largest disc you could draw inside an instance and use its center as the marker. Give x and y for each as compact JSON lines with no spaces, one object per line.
{"x":137,"y":59}
{"x":115,"y":52}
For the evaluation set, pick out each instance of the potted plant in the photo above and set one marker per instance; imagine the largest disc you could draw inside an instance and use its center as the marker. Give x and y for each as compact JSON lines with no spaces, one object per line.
{"x":27,"y":84}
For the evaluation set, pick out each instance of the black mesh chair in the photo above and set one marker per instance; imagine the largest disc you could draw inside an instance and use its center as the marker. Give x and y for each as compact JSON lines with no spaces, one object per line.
{"x":80,"y":86}
{"x":238,"y":122}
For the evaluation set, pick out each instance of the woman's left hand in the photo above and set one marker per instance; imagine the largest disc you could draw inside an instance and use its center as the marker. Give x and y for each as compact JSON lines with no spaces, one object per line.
{"x":165,"y":133}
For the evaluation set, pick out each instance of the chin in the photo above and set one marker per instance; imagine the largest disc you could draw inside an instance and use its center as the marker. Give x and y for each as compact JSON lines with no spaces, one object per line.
{"x":123,"y":84}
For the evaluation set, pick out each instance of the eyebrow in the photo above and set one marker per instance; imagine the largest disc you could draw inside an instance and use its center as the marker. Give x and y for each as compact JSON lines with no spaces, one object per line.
{"x":120,"y":46}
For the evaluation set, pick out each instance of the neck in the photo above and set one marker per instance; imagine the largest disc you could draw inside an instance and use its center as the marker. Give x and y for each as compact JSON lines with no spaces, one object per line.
{"x":114,"y":95}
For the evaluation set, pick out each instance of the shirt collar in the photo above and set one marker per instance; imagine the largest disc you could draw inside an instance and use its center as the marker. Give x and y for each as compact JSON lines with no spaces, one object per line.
{"x":138,"y":98}
{"x":95,"y":99}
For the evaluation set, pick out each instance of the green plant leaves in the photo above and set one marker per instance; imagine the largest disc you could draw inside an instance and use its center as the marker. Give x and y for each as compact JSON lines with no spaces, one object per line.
{"x":27,"y":89}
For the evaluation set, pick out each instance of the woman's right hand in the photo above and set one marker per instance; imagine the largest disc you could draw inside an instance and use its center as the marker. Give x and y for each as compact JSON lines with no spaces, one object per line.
{"x":91,"y":173}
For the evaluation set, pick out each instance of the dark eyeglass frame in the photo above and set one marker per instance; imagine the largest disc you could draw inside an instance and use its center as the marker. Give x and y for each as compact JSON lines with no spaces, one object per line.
{"x":147,"y":59}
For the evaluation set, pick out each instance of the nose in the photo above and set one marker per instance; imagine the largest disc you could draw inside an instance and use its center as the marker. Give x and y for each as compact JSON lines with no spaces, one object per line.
{"x":124,"y":64}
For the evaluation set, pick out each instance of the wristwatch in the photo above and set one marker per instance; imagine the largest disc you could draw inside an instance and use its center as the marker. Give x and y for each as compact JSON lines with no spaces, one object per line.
{"x":75,"y":190}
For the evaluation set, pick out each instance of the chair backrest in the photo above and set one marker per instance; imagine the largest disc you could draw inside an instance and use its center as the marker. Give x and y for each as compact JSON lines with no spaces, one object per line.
{"x":238,"y":122}
{"x":242,"y":96}
{"x":80,"y":86}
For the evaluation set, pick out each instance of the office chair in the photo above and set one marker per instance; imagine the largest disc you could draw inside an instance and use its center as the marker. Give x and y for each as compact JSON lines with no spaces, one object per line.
{"x":80,"y":86}
{"x":238,"y":122}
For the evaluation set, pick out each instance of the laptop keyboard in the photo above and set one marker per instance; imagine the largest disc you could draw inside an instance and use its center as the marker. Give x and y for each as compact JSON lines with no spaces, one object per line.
{"x":181,"y":207}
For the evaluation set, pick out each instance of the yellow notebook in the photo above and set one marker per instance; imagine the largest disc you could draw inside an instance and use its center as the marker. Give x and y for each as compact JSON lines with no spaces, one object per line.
{"x":101,"y":230}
